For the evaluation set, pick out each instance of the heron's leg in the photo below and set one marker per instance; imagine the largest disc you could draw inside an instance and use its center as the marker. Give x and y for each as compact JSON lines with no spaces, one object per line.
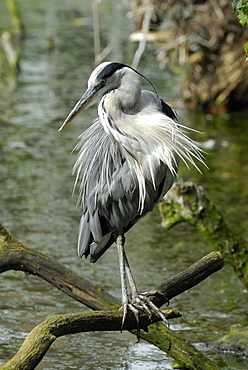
{"x":120,"y":248}
{"x":125,"y":300}
{"x":142,"y":299}
{"x":135,"y":293}
{"x":132,"y":283}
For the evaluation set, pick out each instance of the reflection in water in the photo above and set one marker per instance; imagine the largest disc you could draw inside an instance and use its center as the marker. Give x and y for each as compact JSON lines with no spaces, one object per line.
{"x":37,"y":208}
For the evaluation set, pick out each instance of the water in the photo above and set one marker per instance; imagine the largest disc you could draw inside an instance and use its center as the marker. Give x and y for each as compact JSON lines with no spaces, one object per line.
{"x":37,"y":207}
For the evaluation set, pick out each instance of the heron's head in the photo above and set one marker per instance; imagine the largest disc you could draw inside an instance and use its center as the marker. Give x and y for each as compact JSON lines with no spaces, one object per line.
{"x":107,"y":76}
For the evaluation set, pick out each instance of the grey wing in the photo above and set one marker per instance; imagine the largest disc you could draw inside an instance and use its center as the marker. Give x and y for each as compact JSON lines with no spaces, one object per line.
{"x":106,"y":191}
{"x":110,"y":210}
{"x":109,"y":192}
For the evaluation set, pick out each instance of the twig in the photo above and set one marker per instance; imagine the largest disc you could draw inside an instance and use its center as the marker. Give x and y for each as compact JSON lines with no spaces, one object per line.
{"x":144,"y":31}
{"x":96,"y":30}
{"x":11,"y":52}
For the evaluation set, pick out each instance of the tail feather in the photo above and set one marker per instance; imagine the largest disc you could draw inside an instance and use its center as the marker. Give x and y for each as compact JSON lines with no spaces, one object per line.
{"x":97,"y":249}
{"x":95,"y":236}
{"x":84,"y":237}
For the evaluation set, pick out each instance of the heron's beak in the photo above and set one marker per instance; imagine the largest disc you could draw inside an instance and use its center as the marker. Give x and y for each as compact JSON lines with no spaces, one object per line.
{"x":86,"y":100}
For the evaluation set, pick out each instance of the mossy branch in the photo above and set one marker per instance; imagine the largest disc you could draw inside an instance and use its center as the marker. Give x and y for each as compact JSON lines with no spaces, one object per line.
{"x":43,"y":335}
{"x":188,"y":202}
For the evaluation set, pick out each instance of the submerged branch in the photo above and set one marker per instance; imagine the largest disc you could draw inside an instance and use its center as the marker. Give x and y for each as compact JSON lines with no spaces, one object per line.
{"x":11,"y":52}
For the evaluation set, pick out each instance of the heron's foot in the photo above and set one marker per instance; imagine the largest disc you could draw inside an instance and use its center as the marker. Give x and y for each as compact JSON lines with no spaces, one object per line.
{"x":143,"y":302}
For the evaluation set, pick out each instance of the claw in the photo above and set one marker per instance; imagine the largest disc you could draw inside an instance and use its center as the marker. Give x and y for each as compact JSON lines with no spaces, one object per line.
{"x":154,"y":293}
{"x":143,"y":300}
{"x":141,"y":305}
{"x":135,"y":311}
{"x":157,"y":310}
{"x":124,"y":316}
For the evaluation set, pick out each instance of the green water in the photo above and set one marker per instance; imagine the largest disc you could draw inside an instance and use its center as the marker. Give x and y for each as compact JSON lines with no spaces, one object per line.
{"x":37,"y":208}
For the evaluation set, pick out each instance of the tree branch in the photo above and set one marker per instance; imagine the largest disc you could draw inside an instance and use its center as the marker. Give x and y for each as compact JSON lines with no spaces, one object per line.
{"x":17,"y":256}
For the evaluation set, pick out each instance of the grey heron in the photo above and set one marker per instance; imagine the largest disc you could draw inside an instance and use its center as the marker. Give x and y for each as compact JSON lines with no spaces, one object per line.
{"x":128,"y":159}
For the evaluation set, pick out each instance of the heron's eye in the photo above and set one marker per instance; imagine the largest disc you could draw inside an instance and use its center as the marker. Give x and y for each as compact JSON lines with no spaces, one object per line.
{"x":104,"y":82}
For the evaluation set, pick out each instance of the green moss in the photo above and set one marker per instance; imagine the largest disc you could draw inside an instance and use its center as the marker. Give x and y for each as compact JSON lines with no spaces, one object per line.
{"x":234,"y":342}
